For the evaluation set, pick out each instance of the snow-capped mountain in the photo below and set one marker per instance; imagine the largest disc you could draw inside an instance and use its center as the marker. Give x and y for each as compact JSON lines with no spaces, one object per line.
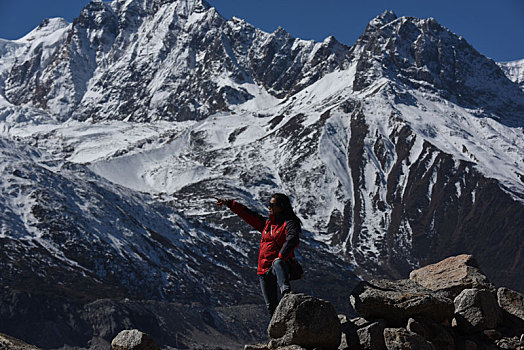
{"x":423,"y":55}
{"x":179,"y":60}
{"x":116,"y":129}
{"x":515,"y":71}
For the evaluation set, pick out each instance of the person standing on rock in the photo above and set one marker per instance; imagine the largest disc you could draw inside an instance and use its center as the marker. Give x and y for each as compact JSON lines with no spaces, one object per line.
{"x":280,"y":236}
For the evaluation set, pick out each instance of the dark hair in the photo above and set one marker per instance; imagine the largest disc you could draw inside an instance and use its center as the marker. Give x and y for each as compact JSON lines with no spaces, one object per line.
{"x":284,"y":203}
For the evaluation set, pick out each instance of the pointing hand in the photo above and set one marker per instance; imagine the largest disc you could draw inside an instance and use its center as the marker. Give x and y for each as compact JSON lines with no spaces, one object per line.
{"x":221,"y":202}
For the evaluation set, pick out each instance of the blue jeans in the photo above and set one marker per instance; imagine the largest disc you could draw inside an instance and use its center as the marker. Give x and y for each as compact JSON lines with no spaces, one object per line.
{"x":276,"y":278}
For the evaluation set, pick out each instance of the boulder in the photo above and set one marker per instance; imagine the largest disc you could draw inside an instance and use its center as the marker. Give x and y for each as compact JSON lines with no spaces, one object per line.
{"x":349,"y":337}
{"x":133,"y":340}
{"x":511,"y":301}
{"x":476,"y":310}
{"x":359,"y":333}
{"x":512,"y":305}
{"x":492,"y":334}
{"x":372,"y":336}
{"x":433,"y":332}
{"x":303,"y":320}
{"x":452,"y":276}
{"x":402,"y":339}
{"x":397,"y":301}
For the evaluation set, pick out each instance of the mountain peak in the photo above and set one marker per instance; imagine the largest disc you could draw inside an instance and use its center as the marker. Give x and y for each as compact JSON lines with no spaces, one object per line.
{"x":422,"y":54}
{"x":386,"y":17}
{"x":47,"y":27}
{"x":280,"y":31}
{"x":184,"y":7}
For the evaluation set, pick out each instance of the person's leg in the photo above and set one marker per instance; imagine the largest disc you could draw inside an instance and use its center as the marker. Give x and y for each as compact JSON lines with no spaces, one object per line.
{"x":268,"y":285}
{"x":281,"y":271}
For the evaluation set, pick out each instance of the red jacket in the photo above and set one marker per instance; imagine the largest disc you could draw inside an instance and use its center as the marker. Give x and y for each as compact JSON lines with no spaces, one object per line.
{"x":279,"y":237}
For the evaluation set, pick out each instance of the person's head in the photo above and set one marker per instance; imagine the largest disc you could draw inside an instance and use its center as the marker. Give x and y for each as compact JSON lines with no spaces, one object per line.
{"x":280,"y":205}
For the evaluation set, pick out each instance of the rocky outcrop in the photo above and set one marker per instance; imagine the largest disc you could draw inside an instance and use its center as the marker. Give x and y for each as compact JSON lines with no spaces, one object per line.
{"x":402,"y":339}
{"x":477,"y":319}
{"x":305,"y":321}
{"x":404,"y":315}
{"x":397,"y":301}
{"x":511,"y":302}
{"x":452,"y":276}
{"x":476,"y":310}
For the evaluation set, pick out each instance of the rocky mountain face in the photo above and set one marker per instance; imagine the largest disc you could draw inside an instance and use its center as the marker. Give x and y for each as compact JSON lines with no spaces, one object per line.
{"x":178,"y":60}
{"x":423,"y":55}
{"x":116,"y":129}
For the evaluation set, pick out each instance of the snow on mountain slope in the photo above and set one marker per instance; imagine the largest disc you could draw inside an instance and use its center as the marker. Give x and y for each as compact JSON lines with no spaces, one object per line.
{"x":59,"y":216}
{"x":34,"y":49}
{"x":496,"y":150}
{"x":45,"y":38}
{"x":305,"y":154}
{"x":28,"y":56}
{"x":515,"y":71}
{"x":173,"y":245}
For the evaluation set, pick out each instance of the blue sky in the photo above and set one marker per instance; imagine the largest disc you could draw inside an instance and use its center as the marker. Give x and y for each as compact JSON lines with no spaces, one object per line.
{"x":494,"y":27}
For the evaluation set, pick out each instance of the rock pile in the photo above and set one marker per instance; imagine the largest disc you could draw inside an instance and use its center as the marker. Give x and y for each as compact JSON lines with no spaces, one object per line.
{"x":448,"y":305}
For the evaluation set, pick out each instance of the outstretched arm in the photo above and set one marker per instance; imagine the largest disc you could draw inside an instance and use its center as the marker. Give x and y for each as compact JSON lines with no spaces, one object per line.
{"x":257,"y":221}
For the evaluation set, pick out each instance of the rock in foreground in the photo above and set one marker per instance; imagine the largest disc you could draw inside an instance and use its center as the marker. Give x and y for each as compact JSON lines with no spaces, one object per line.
{"x":133,"y":340}
{"x":477,"y":310}
{"x":402,"y":339}
{"x":511,"y":301}
{"x":306,"y":321}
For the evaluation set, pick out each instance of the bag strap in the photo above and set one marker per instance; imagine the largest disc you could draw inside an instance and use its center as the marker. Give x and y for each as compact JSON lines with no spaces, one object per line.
{"x":274,"y":240}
